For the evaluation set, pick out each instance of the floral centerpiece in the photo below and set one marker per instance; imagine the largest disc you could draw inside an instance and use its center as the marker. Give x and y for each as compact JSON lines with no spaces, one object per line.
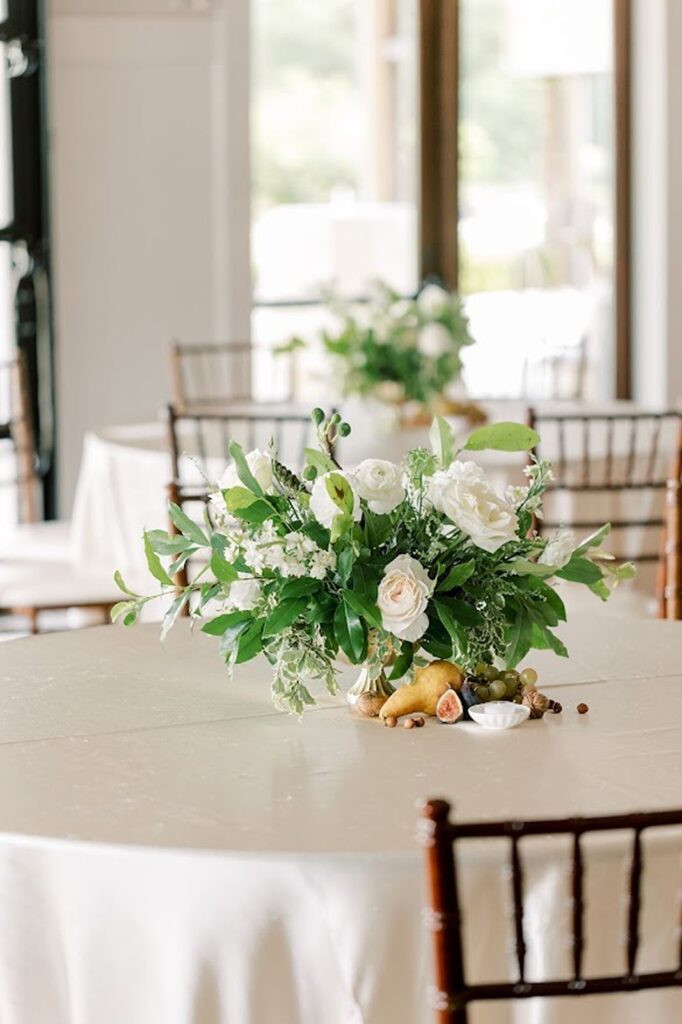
{"x":385,"y":566}
{"x":405,"y":352}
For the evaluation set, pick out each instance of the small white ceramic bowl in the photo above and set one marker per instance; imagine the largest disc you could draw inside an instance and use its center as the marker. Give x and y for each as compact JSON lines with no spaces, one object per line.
{"x":499,"y":714}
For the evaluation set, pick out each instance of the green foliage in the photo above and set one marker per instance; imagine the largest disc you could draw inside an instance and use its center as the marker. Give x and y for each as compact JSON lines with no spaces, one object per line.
{"x":503,"y":437}
{"x":279,"y":583}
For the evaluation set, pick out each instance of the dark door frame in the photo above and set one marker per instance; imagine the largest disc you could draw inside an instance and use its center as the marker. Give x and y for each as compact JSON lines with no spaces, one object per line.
{"x":24,"y":29}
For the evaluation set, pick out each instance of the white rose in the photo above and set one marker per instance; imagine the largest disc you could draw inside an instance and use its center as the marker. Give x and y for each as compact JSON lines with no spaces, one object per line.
{"x":403,"y":597}
{"x":433,"y":300}
{"x":559,"y":548}
{"x":434,"y":340}
{"x":323,"y":506}
{"x":260,"y":465}
{"x":380,"y":483}
{"x":401,"y":308}
{"x":244,"y":594}
{"x":465,"y":495}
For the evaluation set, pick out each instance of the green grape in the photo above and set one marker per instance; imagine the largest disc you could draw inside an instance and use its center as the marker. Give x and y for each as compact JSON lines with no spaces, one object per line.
{"x":529,"y":677}
{"x":510,"y":674}
{"x":511,"y":686}
{"x":482,"y":692}
{"x":498,"y":689}
{"x":491,"y":673}
{"x":480,"y":669}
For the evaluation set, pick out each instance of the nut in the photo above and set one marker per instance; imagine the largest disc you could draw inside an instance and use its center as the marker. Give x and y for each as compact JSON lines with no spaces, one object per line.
{"x":556,"y":707}
{"x":370,"y":704}
{"x":418,"y":721}
{"x":582,"y":709}
{"x":409,"y":723}
{"x":391,"y":721}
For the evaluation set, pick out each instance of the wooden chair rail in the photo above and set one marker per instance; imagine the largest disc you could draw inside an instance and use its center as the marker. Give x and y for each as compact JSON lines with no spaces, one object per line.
{"x":440,"y":837}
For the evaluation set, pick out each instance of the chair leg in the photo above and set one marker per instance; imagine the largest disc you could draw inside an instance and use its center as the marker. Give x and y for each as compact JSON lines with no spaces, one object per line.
{"x":33,"y":621}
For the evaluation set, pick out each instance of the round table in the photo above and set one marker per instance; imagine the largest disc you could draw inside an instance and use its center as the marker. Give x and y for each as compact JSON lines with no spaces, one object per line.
{"x":173,"y":849}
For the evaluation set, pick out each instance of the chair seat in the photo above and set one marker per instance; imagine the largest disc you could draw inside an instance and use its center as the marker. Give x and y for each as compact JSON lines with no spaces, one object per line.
{"x":54,"y":584}
{"x":36,"y":542}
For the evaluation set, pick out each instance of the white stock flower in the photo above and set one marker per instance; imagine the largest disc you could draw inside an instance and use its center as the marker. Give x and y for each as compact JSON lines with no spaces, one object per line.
{"x":260,"y":465}
{"x":323,"y":506}
{"x":433,"y":300}
{"x":434,"y":340}
{"x":560,"y":548}
{"x":380,"y":483}
{"x":403,"y":597}
{"x":464,"y":494}
{"x":244,"y":595}
{"x":402,"y":308}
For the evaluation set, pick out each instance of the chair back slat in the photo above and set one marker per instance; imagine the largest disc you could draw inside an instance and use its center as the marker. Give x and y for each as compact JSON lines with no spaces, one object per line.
{"x":517,"y":896}
{"x":441,"y":838}
{"x":578,"y":940}
{"x":208,"y":375}
{"x":634,"y":901}
{"x":19,"y":472}
{"x":606,"y":458}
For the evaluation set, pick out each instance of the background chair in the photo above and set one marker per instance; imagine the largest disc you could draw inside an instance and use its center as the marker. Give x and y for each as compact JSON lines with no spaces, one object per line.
{"x":208,"y":375}
{"x":441,"y":838}
{"x":560,"y":374}
{"x":612,"y":467}
{"x":199,"y":448}
{"x":37,"y":573}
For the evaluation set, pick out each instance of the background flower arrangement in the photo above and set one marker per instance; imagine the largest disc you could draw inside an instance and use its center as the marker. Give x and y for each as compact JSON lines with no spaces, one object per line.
{"x":384,"y":565}
{"x":399,"y":350}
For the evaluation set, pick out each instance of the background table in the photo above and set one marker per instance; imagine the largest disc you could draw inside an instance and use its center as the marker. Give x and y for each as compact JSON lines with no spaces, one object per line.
{"x":172,"y":849}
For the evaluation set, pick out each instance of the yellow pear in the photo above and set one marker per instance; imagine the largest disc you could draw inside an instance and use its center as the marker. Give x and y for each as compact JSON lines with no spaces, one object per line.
{"x":430,"y":683}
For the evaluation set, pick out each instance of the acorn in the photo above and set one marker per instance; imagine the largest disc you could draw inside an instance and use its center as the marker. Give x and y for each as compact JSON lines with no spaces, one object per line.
{"x":582,"y":709}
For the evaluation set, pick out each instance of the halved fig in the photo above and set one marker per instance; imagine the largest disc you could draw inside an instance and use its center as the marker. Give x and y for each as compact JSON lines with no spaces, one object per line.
{"x":449,"y":708}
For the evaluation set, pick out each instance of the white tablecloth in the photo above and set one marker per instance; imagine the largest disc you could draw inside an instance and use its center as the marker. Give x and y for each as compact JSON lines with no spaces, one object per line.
{"x":173,"y":850}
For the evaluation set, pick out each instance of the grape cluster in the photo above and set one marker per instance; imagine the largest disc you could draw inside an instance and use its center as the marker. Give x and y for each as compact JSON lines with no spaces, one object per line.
{"x":490,"y":683}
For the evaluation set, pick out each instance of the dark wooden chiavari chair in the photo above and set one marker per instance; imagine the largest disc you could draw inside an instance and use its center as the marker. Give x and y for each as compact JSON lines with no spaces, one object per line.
{"x":206,"y":376}
{"x":621,"y":454}
{"x":557,"y":376}
{"x":199,"y":448}
{"x":17,"y":450}
{"x":36,"y":574}
{"x":441,"y":838}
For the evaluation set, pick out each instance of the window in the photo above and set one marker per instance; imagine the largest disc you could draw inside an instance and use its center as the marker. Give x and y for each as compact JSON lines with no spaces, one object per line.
{"x":536,"y":195}
{"x":334,"y":155}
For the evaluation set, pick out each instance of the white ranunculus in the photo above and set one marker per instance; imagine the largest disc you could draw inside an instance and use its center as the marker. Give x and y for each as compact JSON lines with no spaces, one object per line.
{"x":380,"y":483}
{"x":403,"y":597}
{"x":434,"y":340}
{"x":243,"y":595}
{"x":260,"y":465}
{"x":559,"y":548}
{"x":433,"y":300}
{"x":323,"y":506}
{"x":464,"y":494}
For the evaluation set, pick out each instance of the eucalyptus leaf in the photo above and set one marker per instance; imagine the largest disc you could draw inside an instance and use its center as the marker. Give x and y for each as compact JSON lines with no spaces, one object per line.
{"x":442,"y":441}
{"x":171,"y":615}
{"x":120,"y":583}
{"x":165,"y":543}
{"x":594,"y":540}
{"x":219,"y":625}
{"x":580,"y":570}
{"x":243,"y":471}
{"x":187,"y":527}
{"x":503,"y":437}
{"x":154,"y":563}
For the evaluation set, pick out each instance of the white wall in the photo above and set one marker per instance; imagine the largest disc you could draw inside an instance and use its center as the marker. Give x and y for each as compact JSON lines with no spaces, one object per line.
{"x":657,"y":201}
{"x":151,"y":218}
